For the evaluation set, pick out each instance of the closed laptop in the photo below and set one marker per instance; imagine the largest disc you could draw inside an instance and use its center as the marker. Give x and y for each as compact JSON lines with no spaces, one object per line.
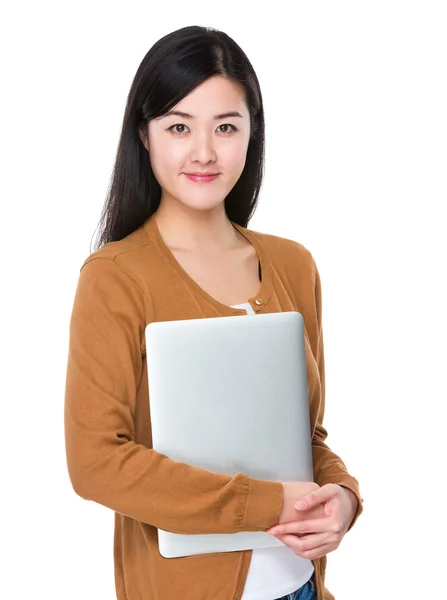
{"x":230,"y":394}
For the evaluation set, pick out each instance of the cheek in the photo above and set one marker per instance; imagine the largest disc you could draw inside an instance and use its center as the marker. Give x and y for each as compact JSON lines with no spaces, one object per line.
{"x":166,"y":160}
{"x":233,"y":157}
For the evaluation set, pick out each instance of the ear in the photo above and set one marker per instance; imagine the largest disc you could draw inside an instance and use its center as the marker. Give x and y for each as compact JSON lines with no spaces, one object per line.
{"x":144,"y":137}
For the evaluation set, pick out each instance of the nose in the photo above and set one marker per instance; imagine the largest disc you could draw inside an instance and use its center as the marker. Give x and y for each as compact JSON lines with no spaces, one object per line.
{"x":203,"y":147}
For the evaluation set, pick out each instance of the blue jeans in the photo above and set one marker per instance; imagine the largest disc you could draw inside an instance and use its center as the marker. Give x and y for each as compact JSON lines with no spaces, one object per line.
{"x":308,"y":591}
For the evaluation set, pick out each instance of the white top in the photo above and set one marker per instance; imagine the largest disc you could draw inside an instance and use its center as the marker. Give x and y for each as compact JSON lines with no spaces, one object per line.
{"x":274,"y":572}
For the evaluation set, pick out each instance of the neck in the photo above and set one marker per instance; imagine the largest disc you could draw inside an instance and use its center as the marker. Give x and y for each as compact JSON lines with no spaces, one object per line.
{"x":188,"y":230}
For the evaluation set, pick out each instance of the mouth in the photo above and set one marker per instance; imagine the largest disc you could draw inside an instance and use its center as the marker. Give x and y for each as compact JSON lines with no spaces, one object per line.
{"x":201,"y":177}
{"x":204,"y":174}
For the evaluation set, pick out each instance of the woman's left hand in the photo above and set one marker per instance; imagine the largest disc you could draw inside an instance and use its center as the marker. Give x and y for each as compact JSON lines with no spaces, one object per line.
{"x":316,"y":537}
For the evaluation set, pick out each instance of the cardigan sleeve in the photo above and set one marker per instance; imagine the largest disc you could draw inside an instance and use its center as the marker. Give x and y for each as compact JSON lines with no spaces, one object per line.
{"x":105,"y":464}
{"x":328,"y":467}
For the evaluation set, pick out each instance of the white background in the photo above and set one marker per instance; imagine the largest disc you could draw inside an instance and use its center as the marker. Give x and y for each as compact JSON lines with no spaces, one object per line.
{"x":355,"y":99}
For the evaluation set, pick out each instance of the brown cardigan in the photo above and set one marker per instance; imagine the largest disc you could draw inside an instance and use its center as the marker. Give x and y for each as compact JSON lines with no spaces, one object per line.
{"x":122,"y":287}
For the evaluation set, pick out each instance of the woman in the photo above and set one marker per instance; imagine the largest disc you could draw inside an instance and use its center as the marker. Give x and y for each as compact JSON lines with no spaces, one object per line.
{"x":174,"y":244}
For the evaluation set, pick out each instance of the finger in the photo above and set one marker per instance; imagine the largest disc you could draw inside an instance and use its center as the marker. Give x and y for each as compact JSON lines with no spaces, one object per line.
{"x":295,"y":527}
{"x":315,"y":552}
{"x":303,"y":544}
{"x":322,"y":494}
{"x":292,"y":542}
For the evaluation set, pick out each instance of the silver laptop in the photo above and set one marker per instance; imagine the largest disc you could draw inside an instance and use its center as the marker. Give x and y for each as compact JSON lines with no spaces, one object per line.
{"x":230,"y":395}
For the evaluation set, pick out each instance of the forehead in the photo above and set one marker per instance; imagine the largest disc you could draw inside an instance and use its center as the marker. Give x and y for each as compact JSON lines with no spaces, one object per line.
{"x":214,"y":96}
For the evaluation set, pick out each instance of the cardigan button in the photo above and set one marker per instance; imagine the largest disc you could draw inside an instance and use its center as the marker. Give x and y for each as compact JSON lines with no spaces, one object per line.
{"x":258,"y":301}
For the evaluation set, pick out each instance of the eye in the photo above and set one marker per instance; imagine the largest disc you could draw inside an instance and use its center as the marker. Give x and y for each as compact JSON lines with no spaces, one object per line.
{"x":183,"y":125}
{"x":228,"y":125}
{"x":176,"y":125}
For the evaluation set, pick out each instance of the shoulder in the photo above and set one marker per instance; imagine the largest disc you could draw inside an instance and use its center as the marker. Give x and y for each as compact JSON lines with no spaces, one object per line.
{"x":286,"y":254}
{"x":121,"y":251}
{"x":126,"y":259}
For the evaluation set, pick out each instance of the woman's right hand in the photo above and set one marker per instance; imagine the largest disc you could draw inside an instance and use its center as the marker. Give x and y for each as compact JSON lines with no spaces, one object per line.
{"x":292,"y":492}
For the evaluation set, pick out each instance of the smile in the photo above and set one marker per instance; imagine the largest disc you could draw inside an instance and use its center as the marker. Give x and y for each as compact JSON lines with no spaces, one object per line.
{"x":201,"y":178}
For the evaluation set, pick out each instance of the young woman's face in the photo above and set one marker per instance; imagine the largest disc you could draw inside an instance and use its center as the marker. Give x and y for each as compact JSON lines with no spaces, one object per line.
{"x":205,"y":141}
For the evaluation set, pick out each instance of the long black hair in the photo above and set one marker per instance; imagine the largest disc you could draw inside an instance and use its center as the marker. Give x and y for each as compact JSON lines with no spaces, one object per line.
{"x":172,"y":68}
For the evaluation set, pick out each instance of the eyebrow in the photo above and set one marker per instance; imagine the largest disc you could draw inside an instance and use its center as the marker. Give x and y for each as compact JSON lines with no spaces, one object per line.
{"x":233,"y":113}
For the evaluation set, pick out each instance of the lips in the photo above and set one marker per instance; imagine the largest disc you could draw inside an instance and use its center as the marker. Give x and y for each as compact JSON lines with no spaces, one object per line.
{"x":206,"y":174}
{"x":201,"y":178}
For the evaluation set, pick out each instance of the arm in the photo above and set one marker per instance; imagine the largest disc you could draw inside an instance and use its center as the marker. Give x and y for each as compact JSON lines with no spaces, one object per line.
{"x":105,"y":464}
{"x":328,"y":467}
